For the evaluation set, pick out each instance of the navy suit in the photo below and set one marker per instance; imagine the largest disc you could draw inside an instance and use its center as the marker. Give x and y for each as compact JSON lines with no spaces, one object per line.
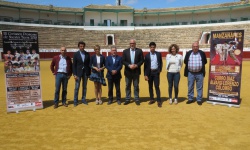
{"x":114,"y":79}
{"x":153,"y":75}
{"x":93,"y":63}
{"x":81,"y":69}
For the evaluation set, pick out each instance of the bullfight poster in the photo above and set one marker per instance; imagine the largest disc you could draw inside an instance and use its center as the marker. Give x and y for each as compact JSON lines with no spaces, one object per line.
{"x":226,"y":52}
{"x":22,"y":70}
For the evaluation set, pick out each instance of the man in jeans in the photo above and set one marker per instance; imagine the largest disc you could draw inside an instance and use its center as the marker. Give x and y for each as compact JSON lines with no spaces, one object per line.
{"x":195,"y":61}
{"x":81,"y":71}
{"x":61,"y":67}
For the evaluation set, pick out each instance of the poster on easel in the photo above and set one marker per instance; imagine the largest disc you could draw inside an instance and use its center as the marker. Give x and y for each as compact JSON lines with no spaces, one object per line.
{"x":226,"y":51}
{"x":22,"y":71}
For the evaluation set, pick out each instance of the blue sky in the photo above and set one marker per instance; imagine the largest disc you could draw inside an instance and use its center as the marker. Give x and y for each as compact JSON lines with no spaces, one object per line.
{"x":137,"y":4}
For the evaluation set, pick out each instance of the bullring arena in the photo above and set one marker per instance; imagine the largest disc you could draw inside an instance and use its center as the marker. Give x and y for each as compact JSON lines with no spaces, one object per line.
{"x":115,"y":126}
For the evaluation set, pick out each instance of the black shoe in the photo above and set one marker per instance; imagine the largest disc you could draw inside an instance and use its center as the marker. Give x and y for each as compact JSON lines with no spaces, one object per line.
{"x":85,"y":102}
{"x":189,"y":101}
{"x":55,"y":105}
{"x":159,"y":104}
{"x":137,"y":103}
{"x":75,"y":105}
{"x":126,"y":102}
{"x":119,"y":102}
{"x":110,"y":102}
{"x":151,"y":102}
{"x":199,"y":102}
{"x":65,"y":105}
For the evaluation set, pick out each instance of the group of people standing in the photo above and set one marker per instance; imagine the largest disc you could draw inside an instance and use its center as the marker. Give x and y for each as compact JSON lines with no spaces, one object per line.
{"x":85,"y":66}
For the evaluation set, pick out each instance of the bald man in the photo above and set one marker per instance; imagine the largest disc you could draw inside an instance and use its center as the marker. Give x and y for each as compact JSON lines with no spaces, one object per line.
{"x":195,"y":61}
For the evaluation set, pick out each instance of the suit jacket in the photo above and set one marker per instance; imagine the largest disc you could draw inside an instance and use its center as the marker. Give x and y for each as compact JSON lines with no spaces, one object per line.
{"x":78,"y":64}
{"x":55,"y":64}
{"x":116,"y":66}
{"x":139,"y":59}
{"x":203,"y":59}
{"x":147,"y":63}
{"x":93,"y":62}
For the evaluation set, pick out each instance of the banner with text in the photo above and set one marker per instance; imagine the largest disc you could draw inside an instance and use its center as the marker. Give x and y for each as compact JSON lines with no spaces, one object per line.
{"x":22,"y":70}
{"x":225,"y":67}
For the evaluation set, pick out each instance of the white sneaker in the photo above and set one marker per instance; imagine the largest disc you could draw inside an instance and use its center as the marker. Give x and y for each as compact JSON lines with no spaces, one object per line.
{"x":100,"y":102}
{"x":97,"y":102}
{"x":175,"y":101}
{"x":170,"y":101}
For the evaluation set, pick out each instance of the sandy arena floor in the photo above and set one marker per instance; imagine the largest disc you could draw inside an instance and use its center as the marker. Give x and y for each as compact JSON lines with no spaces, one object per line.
{"x":95,"y":127}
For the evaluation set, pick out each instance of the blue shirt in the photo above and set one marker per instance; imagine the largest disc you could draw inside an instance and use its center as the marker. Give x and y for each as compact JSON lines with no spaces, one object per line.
{"x":62,"y":66}
{"x":154,"y":62}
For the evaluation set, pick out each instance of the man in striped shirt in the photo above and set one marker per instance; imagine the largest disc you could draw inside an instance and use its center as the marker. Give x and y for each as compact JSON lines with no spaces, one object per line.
{"x":195,"y":61}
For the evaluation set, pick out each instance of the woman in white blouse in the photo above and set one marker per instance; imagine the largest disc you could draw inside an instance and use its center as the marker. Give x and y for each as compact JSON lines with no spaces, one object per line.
{"x":173,"y":66}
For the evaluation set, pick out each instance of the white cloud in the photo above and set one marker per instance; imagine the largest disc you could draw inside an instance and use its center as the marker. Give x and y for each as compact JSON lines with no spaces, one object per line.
{"x":129,"y":2}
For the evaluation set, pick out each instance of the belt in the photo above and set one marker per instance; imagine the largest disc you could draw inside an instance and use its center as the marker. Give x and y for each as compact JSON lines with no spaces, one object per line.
{"x":62,"y":72}
{"x":154,"y":69}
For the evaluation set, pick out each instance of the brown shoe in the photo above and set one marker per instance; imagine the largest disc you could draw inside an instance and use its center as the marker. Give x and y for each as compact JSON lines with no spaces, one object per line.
{"x":151,"y":102}
{"x":159,"y":104}
{"x":65,"y":105}
{"x":56,"y":106}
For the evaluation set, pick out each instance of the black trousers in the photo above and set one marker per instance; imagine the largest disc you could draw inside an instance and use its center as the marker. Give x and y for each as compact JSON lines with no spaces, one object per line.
{"x":111,"y":83}
{"x":154,"y":78}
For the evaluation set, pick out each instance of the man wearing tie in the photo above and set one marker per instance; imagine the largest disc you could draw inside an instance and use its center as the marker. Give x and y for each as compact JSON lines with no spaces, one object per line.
{"x":152,"y":70}
{"x":132,"y":59}
{"x":114,"y":65}
{"x":81,"y":71}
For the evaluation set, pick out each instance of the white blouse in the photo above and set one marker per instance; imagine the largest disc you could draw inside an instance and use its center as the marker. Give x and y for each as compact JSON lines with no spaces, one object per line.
{"x":174,"y":62}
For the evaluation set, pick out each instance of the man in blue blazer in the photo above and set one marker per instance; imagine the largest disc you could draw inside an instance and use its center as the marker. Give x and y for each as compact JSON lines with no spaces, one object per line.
{"x":81,"y":71}
{"x":114,"y":65}
{"x":152,"y":70}
{"x":132,"y":60}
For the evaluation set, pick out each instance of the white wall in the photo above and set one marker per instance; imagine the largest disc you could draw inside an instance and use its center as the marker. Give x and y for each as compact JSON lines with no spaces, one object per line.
{"x":92,"y":15}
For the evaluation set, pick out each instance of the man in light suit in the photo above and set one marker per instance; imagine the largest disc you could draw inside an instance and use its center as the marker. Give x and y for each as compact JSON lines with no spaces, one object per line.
{"x":152,"y":70}
{"x":114,"y":65}
{"x":81,"y":71}
{"x":132,"y":59}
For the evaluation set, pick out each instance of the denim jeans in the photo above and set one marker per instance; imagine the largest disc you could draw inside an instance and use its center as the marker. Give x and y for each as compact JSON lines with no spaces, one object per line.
{"x":192,"y":78}
{"x":173,"y":79}
{"x":61,"y":79}
{"x":84,"y":79}
{"x":135,"y":80}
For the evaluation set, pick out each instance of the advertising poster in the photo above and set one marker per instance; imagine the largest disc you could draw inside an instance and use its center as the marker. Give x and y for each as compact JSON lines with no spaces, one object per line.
{"x":225,"y":67}
{"x":22,"y":71}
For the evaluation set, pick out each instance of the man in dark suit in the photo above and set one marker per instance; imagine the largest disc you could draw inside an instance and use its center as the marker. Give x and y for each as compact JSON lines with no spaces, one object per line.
{"x":81,"y":71}
{"x":152,"y":70}
{"x":114,"y":65}
{"x":61,"y":67}
{"x":132,"y":59}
